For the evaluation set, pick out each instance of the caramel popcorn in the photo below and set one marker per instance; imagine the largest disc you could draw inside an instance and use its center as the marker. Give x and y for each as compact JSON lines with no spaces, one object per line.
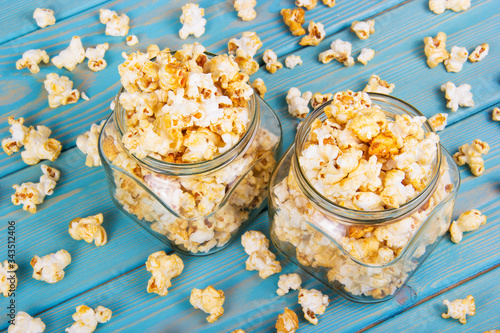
{"x":260,"y":258}
{"x":163,"y":268}
{"x":50,"y":268}
{"x":60,"y":90}
{"x":319,"y":99}
{"x":468,"y":221}
{"x":86,"y":319}
{"x":460,"y":308}
{"x":96,"y":57}
{"x":435,"y":49}
{"x":366,"y":55}
{"x":313,"y":303}
{"x":329,"y":3}
{"x":24,"y":323}
{"x":297,"y":104}
{"x":31,"y":59}
{"x":89,"y":229}
{"x":132,"y":40}
{"x":478,"y":54}
{"x":209,"y":301}
{"x":244,"y":49}
{"x":8,"y":278}
{"x":70,"y":56}
{"x":292,"y":60}
{"x":88,"y":144}
{"x":495,"y":114}
{"x":363,"y":29}
{"x":287,"y":322}
{"x":287,"y":282}
{"x":192,"y":21}
{"x":307,"y":4}
{"x":294,"y":18}
{"x":340,"y":51}
{"x":471,"y":154}
{"x":44,"y":17}
{"x":316,"y":34}
{"x":260,"y":87}
{"x":439,"y":121}
{"x":457,"y":96}
{"x":245,"y":9}
{"x":271,"y":60}
{"x":376,"y":84}
{"x":115,"y":25}
{"x":456,"y":60}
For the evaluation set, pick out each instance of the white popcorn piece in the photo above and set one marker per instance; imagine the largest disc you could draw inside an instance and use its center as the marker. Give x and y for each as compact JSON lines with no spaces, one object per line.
{"x":340,"y":51}
{"x":209,"y":300}
{"x":307,"y":4}
{"x":319,"y":99}
{"x":460,"y":308}
{"x":86,"y":319}
{"x":458,"y":56}
{"x":467,"y":221}
{"x":259,"y":86}
{"x":287,"y":322}
{"x":132,"y":40}
{"x":115,"y":25}
{"x":316,"y":34}
{"x":50,"y":268}
{"x":253,"y":241}
{"x":260,"y":258}
{"x":192,"y":21}
{"x":37,"y":143}
{"x":366,"y":55}
{"x":363,"y":29}
{"x":287,"y":282}
{"x":313,"y":303}
{"x":439,"y":6}
{"x":84,"y":96}
{"x":495,"y":114}
{"x":292,"y":60}
{"x":18,"y":132}
{"x":271,"y":60}
{"x":479,"y":53}
{"x":377,"y":85}
{"x":439,"y":121}
{"x":96,"y":57}
{"x":244,"y":49}
{"x":435,"y":49}
{"x":88,"y":144}
{"x":163,"y":268}
{"x":24,"y":323}
{"x":70,"y":56}
{"x":8,"y":278}
{"x":245,"y":9}
{"x":457,"y":96}
{"x":44,"y":17}
{"x":60,"y":90}
{"x":471,"y":154}
{"x":297,"y":103}
{"x":31,"y":59}
{"x":89,"y":229}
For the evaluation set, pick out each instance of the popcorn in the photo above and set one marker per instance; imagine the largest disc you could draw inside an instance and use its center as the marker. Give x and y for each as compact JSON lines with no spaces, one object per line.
{"x":89,"y":229}
{"x":115,"y":25}
{"x":152,"y":50}
{"x":287,"y":282}
{"x":192,"y":21}
{"x":439,"y":121}
{"x":50,"y":268}
{"x":60,"y":90}
{"x":271,"y":60}
{"x":478,"y":54}
{"x":244,"y":49}
{"x":96,"y":57}
{"x":377,"y":85}
{"x":435,"y":49}
{"x":316,"y":34}
{"x":329,"y":3}
{"x":24,"y":323}
{"x":437,"y":6}
{"x":366,"y":55}
{"x":294,"y":18}
{"x":29,"y":194}
{"x":84,"y":96}
{"x":209,"y":301}
{"x":8,"y":278}
{"x":471,"y":154}
{"x":287,"y":322}
{"x":132,"y":40}
{"x":313,"y":303}
{"x":31,"y":59}
{"x":307,"y":4}
{"x":260,"y":258}
{"x":459,"y":308}
{"x":88,"y":144}
{"x":319,"y":99}
{"x":457,"y":96}
{"x":70,"y":56}
{"x":495,"y":114}
{"x":340,"y":51}
{"x":253,"y":241}
{"x":44,"y":17}
{"x":292,"y":60}
{"x":19,"y":133}
{"x":245,"y":9}
{"x":163,"y":268}
{"x":86,"y":319}
{"x":260,"y":87}
{"x":456,"y":60}
{"x":458,"y":5}
{"x":468,"y":221}
{"x":363,"y":29}
{"x":297,"y":104}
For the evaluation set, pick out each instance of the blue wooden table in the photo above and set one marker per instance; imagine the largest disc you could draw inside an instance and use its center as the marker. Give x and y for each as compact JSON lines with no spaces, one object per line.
{"x":115,"y":276}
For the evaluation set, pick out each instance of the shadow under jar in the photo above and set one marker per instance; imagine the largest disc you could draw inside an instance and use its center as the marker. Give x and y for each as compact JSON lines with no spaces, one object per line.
{"x":329,"y":240}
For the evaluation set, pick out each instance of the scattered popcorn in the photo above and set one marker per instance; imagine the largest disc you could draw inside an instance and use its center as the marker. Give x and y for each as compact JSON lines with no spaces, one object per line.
{"x":292,"y":60}
{"x":70,"y":56}
{"x":319,"y":99}
{"x":377,"y":85}
{"x":495,"y":114}
{"x":271,"y":60}
{"x":88,"y":144}
{"x":44,"y":17}
{"x":163,"y":268}
{"x":340,"y":51}
{"x":313,"y":303}
{"x":209,"y":301}
{"x":96,"y":57}
{"x":259,"y":86}
{"x":18,"y":132}
{"x":238,"y":331}
{"x":50,"y":268}
{"x":366,"y":55}
{"x":294,"y":18}
{"x":329,"y":3}
{"x":459,"y":308}
{"x":468,"y":221}
{"x":435,"y":49}
{"x":316,"y":34}
{"x":192,"y":21}
{"x":287,"y":322}
{"x":60,"y":90}
{"x":8,"y":278}
{"x":297,"y":104}
{"x":456,"y":60}
{"x":244,"y":49}
{"x":457,"y":96}
{"x":439,"y":6}
{"x":86,"y":319}
{"x":471,"y":154}
{"x":115,"y":25}
{"x":307,"y":4}
{"x":245,"y":9}
{"x":31,"y":59}
{"x":363,"y":29}
{"x":439,"y":121}
{"x":89,"y":229}
{"x":132,"y":40}
{"x":84,"y":96}
{"x":478,"y":54}
{"x":24,"y":323}
{"x":287,"y":282}
{"x":260,"y":258}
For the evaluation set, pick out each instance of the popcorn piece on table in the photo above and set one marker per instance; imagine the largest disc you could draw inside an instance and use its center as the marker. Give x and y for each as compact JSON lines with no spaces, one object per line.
{"x":271,"y":60}
{"x":287,"y":282}
{"x":435,"y":49}
{"x":479,"y":53}
{"x":459,"y":308}
{"x":287,"y":322}
{"x":316,"y":34}
{"x":340,"y":51}
{"x":366,"y":55}
{"x":294,"y":18}
{"x":244,"y":49}
{"x":86,"y":319}
{"x":44,"y":17}
{"x":329,"y":3}
{"x":115,"y":25}
{"x":458,"y":56}
{"x":239,"y":330}
{"x":209,"y":301}
{"x":307,"y":4}
{"x":467,"y":221}
{"x":259,"y":85}
{"x":245,"y":9}
{"x":163,"y":268}
{"x":363,"y":29}
{"x":96,"y":57}
{"x":377,"y":85}
{"x":88,"y":144}
{"x":60,"y":90}
{"x":457,"y":96}
{"x":260,"y":258}
{"x":292,"y":60}
{"x":18,"y":132}
{"x":8,"y":278}
{"x":50,"y":268}
{"x":70,"y":56}
{"x":471,"y":154}
{"x":297,"y":104}
{"x":192,"y":21}
{"x":89,"y":229}
{"x":313,"y":303}
{"x":439,"y":121}
{"x":132,"y":40}
{"x":495,"y":114}
{"x":24,"y":323}
{"x":38,"y":146}
{"x":31,"y":59}
{"x":319,"y":99}
{"x":439,"y":6}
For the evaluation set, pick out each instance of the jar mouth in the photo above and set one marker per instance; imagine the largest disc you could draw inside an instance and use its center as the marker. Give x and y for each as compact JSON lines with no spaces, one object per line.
{"x":353,"y":216}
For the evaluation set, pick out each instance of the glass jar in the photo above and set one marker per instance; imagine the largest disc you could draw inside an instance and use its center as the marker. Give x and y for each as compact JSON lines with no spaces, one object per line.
{"x":196,"y":208}
{"x":315,"y":233}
